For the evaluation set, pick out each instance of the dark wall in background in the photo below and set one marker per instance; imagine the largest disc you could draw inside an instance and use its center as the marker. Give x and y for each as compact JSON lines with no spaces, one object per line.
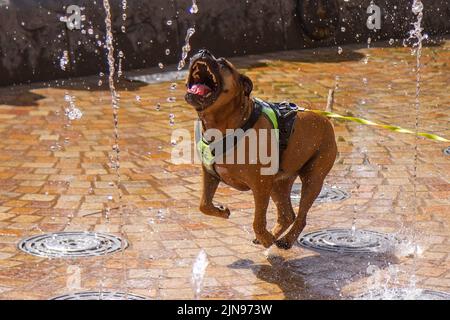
{"x":33,"y":39}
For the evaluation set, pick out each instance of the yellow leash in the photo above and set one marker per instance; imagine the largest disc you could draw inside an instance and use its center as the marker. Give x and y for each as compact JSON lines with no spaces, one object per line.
{"x":330,"y":114}
{"x":385,"y":126}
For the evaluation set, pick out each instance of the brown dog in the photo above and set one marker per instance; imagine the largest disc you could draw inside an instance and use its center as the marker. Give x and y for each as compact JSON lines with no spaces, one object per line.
{"x":221,"y":97}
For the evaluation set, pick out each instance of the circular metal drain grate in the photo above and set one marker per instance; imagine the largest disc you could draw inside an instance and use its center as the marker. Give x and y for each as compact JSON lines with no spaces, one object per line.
{"x":327,"y":194}
{"x":405,"y":294}
{"x":72,"y":244}
{"x":447,"y":151}
{"x":96,"y":295}
{"x":348,"y":241}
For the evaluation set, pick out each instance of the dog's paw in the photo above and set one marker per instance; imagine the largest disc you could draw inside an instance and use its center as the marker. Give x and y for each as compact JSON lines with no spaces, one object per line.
{"x":220,"y":211}
{"x":224,"y":212}
{"x":266,"y":239}
{"x":283,"y":244}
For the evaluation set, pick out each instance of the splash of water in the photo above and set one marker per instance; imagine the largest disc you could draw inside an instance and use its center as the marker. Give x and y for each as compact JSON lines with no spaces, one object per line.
{"x":64,"y":60}
{"x":194,"y":7}
{"x":112,"y":88}
{"x":121,"y":55}
{"x":119,"y":67}
{"x":72,"y":112}
{"x":198,"y":272}
{"x":186,"y":48}
{"x":416,"y":34}
{"x":408,"y":247}
{"x":109,"y":42}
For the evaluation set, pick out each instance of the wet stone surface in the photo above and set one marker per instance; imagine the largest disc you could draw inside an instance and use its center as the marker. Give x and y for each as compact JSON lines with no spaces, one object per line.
{"x":47,"y":189}
{"x":402,"y":294}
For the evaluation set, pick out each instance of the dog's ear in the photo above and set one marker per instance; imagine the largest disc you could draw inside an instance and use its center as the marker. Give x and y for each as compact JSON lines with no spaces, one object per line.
{"x":247,"y":84}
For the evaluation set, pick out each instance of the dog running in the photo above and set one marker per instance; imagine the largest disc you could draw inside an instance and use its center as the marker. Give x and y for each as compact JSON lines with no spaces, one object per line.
{"x":306,"y":147}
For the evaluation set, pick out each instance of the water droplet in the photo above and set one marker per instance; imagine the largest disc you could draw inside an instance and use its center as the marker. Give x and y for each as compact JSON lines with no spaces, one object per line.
{"x":343,"y":29}
{"x":186,"y":48}
{"x":64,"y":60}
{"x":366,"y":59}
{"x":167,"y":52}
{"x":160,"y":214}
{"x":198,"y":272}
{"x":173,"y":86}
{"x":122,"y":28}
{"x":391,"y":41}
{"x":340,"y":50}
{"x":194,"y":7}
{"x":161,"y":65}
{"x":55,"y":147}
{"x":417,"y":7}
{"x":158,"y":107}
{"x":90,"y":31}
{"x":171,"y":99}
{"x":169,"y":22}
{"x":74,"y":114}
{"x":138,"y":98}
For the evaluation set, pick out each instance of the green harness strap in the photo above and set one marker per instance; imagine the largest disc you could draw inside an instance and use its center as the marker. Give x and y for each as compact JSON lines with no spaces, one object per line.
{"x":272,"y":117}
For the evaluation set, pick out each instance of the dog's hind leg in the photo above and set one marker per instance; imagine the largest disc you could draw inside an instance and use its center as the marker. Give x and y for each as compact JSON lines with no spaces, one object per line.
{"x":312,"y":175}
{"x":281,"y":195}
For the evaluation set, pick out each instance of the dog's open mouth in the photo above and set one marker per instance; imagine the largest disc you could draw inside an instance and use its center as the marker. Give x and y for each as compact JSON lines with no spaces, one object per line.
{"x":202,"y":81}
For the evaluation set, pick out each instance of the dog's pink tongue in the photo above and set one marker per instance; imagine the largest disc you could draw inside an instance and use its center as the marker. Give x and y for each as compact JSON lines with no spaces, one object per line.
{"x":199,"y":89}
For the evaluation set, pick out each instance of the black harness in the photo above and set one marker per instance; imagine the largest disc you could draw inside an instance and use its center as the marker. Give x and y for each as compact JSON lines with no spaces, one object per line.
{"x":286,"y":114}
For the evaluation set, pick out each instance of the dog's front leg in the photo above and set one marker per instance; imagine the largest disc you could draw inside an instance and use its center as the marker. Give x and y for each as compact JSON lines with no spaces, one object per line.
{"x":262,"y":197}
{"x":209,"y":187}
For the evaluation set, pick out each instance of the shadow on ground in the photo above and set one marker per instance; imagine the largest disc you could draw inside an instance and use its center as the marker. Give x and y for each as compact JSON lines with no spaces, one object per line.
{"x":320,"y":277}
{"x":23,"y":95}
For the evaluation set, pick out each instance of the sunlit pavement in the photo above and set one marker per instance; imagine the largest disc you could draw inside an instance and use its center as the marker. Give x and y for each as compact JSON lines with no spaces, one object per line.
{"x":45,"y":189}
